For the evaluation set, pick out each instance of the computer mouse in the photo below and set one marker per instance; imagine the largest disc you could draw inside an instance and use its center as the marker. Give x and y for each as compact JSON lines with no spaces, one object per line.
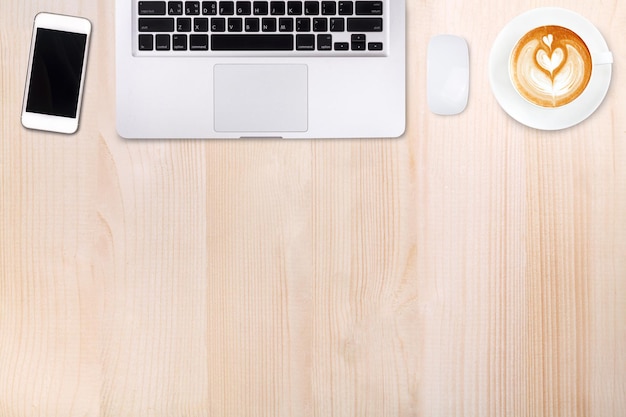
{"x":447,"y":74}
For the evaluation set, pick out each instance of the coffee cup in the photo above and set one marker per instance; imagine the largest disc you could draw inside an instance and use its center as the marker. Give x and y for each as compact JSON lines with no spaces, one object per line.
{"x":551,"y":66}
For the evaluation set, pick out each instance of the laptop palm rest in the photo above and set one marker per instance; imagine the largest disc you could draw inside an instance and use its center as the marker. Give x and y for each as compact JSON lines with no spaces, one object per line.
{"x":260,"y":98}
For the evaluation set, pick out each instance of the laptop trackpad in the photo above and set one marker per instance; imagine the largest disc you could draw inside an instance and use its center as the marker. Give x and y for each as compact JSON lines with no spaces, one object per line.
{"x":261,"y":98}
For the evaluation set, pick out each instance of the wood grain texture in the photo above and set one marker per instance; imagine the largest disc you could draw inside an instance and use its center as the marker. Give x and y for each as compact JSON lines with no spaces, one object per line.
{"x":473,"y":267}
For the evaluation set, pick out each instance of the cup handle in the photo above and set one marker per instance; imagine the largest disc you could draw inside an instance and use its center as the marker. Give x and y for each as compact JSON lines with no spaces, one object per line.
{"x":601,"y":58}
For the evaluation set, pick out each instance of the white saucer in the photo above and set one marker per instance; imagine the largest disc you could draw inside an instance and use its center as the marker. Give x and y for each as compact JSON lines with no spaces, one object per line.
{"x":543,"y":117}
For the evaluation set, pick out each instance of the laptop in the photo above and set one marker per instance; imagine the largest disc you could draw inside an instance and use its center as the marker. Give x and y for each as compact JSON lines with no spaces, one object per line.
{"x":260,"y":69}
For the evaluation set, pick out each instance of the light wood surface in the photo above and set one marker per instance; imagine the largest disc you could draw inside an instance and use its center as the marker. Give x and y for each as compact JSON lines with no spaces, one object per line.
{"x":473,"y":267}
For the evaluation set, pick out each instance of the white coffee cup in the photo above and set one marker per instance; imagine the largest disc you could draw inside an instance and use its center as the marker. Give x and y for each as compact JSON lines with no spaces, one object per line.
{"x":565,"y":114}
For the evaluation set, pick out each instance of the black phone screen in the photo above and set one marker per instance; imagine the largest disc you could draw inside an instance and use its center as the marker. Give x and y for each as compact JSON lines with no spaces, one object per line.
{"x":56,"y":72}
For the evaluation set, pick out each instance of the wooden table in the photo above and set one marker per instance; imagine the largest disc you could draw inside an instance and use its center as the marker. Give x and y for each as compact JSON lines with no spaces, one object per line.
{"x":473,"y":267}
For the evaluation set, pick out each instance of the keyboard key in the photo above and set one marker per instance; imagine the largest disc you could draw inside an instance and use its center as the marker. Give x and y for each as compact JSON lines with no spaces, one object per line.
{"x":156,"y":24}
{"x":285,"y":24}
{"x":369,"y":8}
{"x":152,"y":8}
{"x":200,"y":24}
{"x":365,"y":24}
{"x":303,"y":24}
{"x":324,"y":42}
{"x":294,"y":8}
{"x":358,"y":42}
{"x":375,"y":46}
{"x":244,"y":8}
{"x":192,"y":8}
{"x":329,"y":8}
{"x":209,"y":8}
{"x":268,"y":24}
{"x":305,"y":42}
{"x":199,"y":42}
{"x":342,"y":46}
{"x":345,"y":8}
{"x":163,"y":42}
{"x":252,"y":24}
{"x":180,"y":42}
{"x":320,"y":24}
{"x":183,"y":24}
{"x":273,"y":42}
{"x":146,"y":42}
{"x":227,"y":8}
{"x":175,"y":8}
{"x":260,"y":8}
{"x":337,"y":24}
{"x":277,"y":8}
{"x":311,"y":8}
{"x":235,"y":24}
{"x":218,"y":24}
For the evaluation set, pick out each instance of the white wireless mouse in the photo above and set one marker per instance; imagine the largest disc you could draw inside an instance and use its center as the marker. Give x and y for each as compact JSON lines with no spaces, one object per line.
{"x":448,"y":74}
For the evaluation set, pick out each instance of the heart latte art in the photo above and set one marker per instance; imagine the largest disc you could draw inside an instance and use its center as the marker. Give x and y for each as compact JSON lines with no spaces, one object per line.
{"x":550,"y":66}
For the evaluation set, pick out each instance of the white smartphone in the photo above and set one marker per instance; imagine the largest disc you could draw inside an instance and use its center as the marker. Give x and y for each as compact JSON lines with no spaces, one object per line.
{"x":56,"y":73}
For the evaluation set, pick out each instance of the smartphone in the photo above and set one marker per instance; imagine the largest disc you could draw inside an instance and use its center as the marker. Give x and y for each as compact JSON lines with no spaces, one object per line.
{"x":56,"y":73}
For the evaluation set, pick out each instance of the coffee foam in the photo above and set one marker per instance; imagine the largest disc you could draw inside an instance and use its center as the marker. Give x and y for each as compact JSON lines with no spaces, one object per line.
{"x":550,"y":66}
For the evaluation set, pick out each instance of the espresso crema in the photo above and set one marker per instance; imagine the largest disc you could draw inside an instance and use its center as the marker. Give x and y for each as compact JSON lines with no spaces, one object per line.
{"x":550,"y":66}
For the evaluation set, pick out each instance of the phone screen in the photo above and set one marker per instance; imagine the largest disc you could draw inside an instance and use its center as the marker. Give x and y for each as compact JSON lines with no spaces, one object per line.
{"x":56,"y":73}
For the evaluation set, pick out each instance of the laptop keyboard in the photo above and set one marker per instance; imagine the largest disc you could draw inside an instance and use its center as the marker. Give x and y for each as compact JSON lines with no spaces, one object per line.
{"x":260,"y":28}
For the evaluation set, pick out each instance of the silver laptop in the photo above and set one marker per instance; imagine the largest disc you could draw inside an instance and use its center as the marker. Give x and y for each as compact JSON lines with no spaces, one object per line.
{"x":259,"y":69}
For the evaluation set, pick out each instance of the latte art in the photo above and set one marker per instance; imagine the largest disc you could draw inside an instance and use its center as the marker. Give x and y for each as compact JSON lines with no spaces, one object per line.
{"x":550,"y":66}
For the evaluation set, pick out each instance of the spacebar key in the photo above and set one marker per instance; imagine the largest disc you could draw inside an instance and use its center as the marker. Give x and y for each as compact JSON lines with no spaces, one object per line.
{"x":252,"y":42}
